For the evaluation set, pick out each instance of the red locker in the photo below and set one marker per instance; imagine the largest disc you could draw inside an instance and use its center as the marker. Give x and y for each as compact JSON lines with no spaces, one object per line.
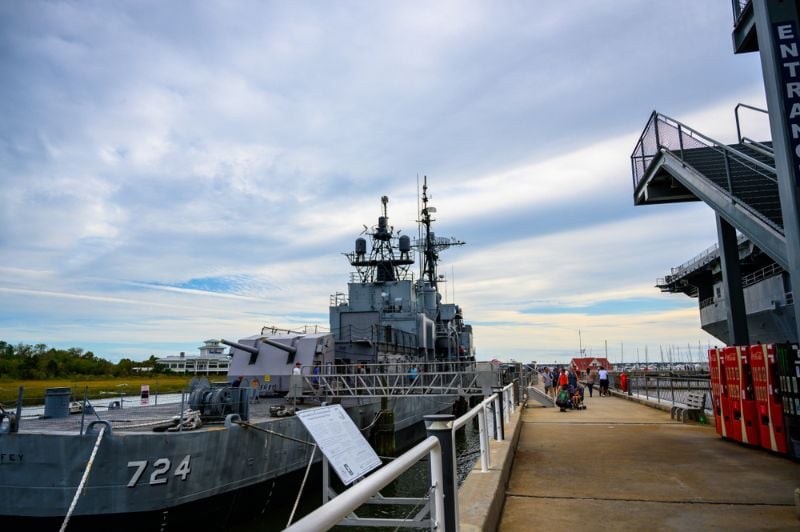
{"x":772,"y":432}
{"x":739,"y":385}
{"x":719,"y":399}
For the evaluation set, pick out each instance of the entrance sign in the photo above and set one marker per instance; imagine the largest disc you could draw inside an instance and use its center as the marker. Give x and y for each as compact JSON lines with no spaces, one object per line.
{"x":340,"y":441}
{"x":787,"y":46}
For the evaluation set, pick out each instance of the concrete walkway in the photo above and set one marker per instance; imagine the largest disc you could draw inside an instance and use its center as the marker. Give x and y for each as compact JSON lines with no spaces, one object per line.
{"x":624,"y":466}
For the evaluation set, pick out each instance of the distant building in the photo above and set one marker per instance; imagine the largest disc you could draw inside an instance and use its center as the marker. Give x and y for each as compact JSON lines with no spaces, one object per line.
{"x":587,"y":362}
{"x":212,"y":359}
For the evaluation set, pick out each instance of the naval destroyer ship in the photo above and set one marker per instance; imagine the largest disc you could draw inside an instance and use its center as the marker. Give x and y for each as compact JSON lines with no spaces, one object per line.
{"x":229,"y":456}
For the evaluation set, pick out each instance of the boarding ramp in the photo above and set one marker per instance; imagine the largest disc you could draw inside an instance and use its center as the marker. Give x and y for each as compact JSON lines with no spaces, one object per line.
{"x":675,"y":163}
{"x":395,"y":380}
{"x":539,"y":396}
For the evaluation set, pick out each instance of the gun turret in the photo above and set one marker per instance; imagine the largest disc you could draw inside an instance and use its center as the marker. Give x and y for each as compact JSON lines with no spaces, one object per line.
{"x":289,"y":349}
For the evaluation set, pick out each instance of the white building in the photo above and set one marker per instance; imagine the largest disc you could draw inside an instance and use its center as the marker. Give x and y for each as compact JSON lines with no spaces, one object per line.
{"x":212,"y":359}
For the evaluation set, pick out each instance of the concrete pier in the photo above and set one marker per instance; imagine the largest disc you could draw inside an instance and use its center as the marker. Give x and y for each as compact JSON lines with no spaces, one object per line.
{"x":620,"y":465}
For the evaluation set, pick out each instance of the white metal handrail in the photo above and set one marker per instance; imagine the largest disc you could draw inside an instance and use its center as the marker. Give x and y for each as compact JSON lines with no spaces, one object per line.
{"x":338,"y":508}
{"x":330,"y":514}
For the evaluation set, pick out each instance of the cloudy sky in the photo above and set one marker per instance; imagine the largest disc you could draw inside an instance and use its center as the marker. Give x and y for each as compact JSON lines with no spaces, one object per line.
{"x":178,"y":171}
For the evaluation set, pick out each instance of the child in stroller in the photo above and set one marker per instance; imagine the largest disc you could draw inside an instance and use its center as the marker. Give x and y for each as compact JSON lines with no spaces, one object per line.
{"x":570,"y":397}
{"x":576,"y":394}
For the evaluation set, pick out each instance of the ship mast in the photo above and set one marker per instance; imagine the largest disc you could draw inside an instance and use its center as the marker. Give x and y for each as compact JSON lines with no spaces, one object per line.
{"x":431,"y":244}
{"x":386,"y":261}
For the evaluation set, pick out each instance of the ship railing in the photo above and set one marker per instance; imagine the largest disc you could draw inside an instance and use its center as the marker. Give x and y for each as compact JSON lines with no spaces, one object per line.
{"x":750,"y":279}
{"x":493,"y":414}
{"x":738,"y":9}
{"x":438,"y":383}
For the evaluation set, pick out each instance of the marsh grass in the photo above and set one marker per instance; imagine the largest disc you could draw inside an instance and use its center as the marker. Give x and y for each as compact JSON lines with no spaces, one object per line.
{"x":103,"y":387}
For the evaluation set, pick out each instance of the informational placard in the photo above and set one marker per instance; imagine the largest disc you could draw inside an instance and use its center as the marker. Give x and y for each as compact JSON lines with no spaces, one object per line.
{"x":340,"y":441}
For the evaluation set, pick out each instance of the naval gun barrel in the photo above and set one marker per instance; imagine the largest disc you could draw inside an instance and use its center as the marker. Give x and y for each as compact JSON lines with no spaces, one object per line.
{"x":254,"y":350}
{"x":245,"y":348}
{"x":283,"y":347}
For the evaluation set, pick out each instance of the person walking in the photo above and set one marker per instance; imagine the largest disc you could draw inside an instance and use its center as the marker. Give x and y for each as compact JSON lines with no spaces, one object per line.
{"x":603,"y":374}
{"x":563,"y":380}
{"x":592,"y":379}
{"x":572,"y":379}
{"x":547,"y":380}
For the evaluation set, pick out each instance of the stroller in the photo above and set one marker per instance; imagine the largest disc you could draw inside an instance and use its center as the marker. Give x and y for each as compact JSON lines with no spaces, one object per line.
{"x":570,"y":398}
{"x":576,"y":398}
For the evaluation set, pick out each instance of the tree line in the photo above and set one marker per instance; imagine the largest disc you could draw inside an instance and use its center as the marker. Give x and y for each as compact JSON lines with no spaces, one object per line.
{"x":23,"y":361}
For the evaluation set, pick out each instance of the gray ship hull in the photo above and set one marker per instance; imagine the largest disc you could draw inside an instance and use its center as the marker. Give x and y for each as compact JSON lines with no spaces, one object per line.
{"x":156,"y":481}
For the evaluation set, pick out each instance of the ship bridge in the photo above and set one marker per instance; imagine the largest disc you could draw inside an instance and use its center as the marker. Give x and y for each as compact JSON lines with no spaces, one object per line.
{"x":752,"y":185}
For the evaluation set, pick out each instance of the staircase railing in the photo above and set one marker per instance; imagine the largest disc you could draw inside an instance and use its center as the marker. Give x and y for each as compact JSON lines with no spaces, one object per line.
{"x":663,"y":133}
{"x":738,"y":8}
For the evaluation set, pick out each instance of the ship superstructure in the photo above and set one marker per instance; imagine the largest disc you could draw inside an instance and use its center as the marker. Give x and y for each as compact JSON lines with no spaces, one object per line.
{"x":387,"y":314}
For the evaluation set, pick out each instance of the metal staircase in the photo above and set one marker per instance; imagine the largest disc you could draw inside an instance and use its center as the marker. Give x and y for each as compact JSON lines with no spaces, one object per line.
{"x":673,"y":163}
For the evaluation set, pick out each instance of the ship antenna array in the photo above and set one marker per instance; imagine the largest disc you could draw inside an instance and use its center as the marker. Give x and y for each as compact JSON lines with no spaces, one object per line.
{"x":429,"y":244}
{"x":385,"y":260}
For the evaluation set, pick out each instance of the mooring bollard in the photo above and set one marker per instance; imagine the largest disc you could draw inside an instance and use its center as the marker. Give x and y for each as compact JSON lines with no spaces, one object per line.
{"x":441,"y":426}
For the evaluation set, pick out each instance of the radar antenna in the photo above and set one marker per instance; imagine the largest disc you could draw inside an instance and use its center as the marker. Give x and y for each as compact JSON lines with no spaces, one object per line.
{"x":430,"y":245}
{"x":389,"y":257}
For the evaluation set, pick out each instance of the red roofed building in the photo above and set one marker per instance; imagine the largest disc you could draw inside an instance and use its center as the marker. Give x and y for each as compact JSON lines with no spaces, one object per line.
{"x":587,"y":362}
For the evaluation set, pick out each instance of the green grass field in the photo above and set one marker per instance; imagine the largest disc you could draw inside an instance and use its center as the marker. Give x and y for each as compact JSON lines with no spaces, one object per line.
{"x":101,"y":387}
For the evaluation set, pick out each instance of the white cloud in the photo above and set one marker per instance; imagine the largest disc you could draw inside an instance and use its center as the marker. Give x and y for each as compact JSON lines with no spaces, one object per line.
{"x":146,"y":146}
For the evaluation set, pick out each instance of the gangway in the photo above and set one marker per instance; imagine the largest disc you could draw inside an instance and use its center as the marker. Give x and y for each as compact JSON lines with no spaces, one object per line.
{"x":380,"y":380}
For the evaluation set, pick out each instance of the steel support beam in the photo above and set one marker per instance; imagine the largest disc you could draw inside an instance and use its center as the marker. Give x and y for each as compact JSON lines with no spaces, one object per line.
{"x":732,"y":283}
{"x":778,"y":31}
{"x":759,"y":232}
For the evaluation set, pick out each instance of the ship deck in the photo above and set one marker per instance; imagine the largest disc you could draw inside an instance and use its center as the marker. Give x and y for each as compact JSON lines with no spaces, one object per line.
{"x":145,"y":418}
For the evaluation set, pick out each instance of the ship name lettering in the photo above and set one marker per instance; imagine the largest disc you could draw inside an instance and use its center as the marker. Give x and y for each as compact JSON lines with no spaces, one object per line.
{"x":10,"y":458}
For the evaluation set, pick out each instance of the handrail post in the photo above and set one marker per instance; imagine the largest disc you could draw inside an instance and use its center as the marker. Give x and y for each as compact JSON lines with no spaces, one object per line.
{"x":498,"y":414}
{"x":655,"y":125}
{"x":441,"y":427}
{"x":680,"y":139}
{"x":672,"y":389}
{"x":728,"y":172}
{"x":658,"y":387}
{"x":491,"y":426}
{"x":484,"y":440}
{"x":437,"y":483}
{"x":20,"y":398}
{"x":736,"y":113}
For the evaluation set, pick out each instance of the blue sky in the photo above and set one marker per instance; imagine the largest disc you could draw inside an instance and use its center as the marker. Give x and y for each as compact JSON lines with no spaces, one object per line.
{"x":177,"y":171}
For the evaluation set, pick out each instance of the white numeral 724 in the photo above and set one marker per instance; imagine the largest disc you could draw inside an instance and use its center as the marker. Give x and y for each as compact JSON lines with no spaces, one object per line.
{"x":160,"y":470}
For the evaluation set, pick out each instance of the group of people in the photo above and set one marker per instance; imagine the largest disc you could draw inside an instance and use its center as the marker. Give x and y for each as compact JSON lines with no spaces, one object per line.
{"x":564,"y":386}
